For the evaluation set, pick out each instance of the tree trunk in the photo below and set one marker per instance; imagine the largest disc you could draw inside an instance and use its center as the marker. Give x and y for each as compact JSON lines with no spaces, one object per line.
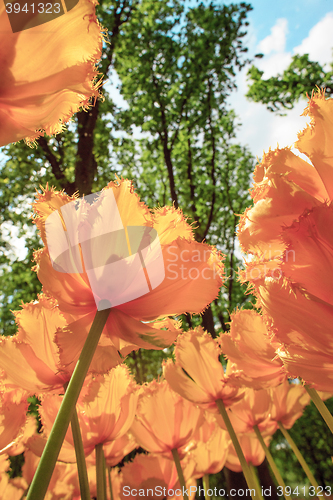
{"x":208,"y":322}
{"x":235,"y":481}
{"x":86,"y":166}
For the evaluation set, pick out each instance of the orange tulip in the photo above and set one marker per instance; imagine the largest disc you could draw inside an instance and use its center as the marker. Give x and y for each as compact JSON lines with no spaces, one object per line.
{"x":152,"y":476}
{"x":13,"y":407}
{"x":70,"y":478}
{"x":253,"y":452}
{"x":115,"y":451}
{"x":197,"y":355}
{"x":306,"y":346}
{"x":48,"y":411}
{"x":31,"y":359}
{"x":105,"y":414}
{"x":8,"y":491}
{"x":286,"y":185}
{"x":212,"y":445}
{"x":288,"y":403}
{"x":253,"y":409}
{"x":111,"y":412}
{"x":309,"y":365}
{"x":18,"y":446}
{"x":48,"y":71}
{"x":291,"y":215}
{"x":193,"y":271}
{"x":164,"y":420}
{"x":249,"y":351}
{"x":60,"y":487}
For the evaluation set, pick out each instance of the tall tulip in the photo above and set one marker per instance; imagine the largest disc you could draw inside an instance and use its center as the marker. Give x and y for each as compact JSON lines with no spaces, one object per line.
{"x":286,"y":233}
{"x":250,"y":351}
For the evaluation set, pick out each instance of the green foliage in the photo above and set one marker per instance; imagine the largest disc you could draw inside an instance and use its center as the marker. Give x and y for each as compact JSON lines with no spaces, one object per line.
{"x":282,"y":91}
{"x":18,"y":282}
{"x":176,"y":78}
{"x":16,"y":464}
{"x":176,"y":67}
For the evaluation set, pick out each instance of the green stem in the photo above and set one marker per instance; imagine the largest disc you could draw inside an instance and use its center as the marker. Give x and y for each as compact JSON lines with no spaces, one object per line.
{"x":238,"y":449}
{"x":80,"y":458}
{"x":50,"y":454}
{"x":255,"y":480}
{"x":110,"y":483}
{"x":271,"y":462}
{"x":205,"y":482}
{"x":181,"y":478}
{"x":299,"y":456}
{"x":100,"y":472}
{"x":321,"y":407}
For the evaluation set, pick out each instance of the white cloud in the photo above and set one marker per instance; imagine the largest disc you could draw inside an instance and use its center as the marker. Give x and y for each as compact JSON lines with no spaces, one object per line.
{"x":260,"y":128}
{"x":274,"y":46}
{"x":276,"y":41}
{"x":274,"y":64}
{"x":319,"y":43}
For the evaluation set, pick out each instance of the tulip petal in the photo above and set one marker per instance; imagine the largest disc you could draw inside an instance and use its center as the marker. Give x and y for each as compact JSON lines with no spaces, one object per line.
{"x":40,"y":93}
{"x":309,"y":260}
{"x":193,"y":276}
{"x":316,"y":140}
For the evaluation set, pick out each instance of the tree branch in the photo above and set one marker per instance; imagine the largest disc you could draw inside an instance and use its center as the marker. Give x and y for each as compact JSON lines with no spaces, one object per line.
{"x":212,"y":173}
{"x":69,"y":187}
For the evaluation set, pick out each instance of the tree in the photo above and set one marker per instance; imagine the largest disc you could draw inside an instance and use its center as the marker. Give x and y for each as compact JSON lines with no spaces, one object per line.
{"x":282,"y":91}
{"x":72,"y":160}
{"x":176,"y":69}
{"x":176,"y":78}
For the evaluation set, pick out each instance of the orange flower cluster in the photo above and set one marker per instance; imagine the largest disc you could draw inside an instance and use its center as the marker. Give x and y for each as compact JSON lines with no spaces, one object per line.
{"x":198,"y":375}
{"x":286,"y":233}
{"x":119,"y":415}
{"x":177,"y":415}
{"x":202,"y":415}
{"x":41,"y":357}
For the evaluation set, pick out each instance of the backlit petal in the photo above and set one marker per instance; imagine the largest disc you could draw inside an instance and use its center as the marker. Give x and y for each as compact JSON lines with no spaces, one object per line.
{"x":48,"y":72}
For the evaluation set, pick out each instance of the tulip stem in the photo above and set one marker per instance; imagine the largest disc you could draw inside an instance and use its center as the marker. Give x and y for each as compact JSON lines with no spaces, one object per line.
{"x":271,"y":462}
{"x":181,"y":478}
{"x":50,"y":454}
{"x":255,"y":480}
{"x":320,"y":405}
{"x":205,"y":483}
{"x":238,"y":449}
{"x":100,"y":472}
{"x":80,"y":458}
{"x":299,"y":456}
{"x":110,"y":483}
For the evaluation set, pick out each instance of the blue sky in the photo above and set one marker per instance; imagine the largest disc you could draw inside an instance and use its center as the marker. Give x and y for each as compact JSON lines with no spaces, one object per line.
{"x":279,"y":30}
{"x":302,"y":15}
